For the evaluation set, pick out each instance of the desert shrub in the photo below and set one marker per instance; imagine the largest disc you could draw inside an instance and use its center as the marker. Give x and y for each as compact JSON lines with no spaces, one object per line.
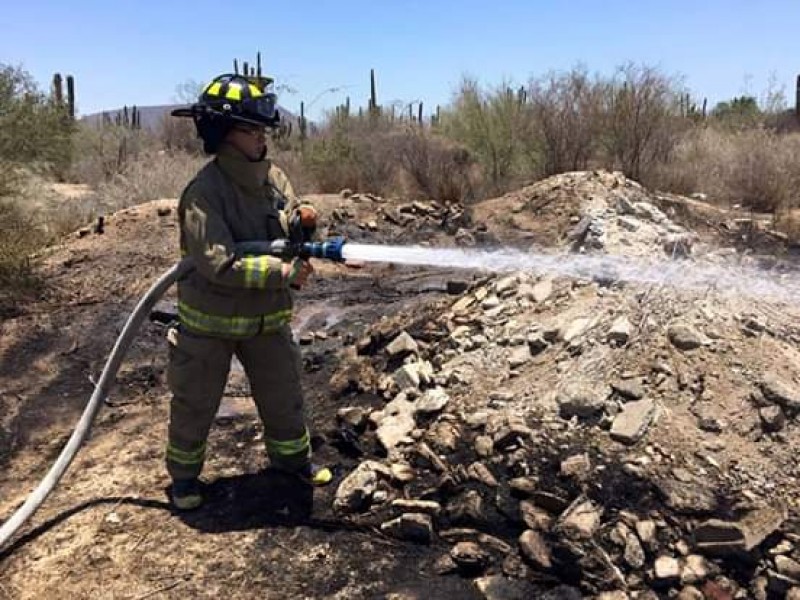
{"x":436,"y":168}
{"x":641,"y":122}
{"x":566,"y":111}
{"x":33,"y":127}
{"x":756,"y":169}
{"x":496,"y":127}
{"x":19,"y":239}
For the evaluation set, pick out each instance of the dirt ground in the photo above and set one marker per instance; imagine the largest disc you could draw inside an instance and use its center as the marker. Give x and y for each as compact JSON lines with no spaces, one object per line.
{"x":108,"y":530}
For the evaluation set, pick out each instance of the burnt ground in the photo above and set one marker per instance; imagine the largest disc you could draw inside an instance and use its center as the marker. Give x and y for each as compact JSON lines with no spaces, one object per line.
{"x":108,"y":529}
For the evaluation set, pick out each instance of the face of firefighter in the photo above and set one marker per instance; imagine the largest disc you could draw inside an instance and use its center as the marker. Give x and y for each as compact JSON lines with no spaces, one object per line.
{"x":250,"y":140}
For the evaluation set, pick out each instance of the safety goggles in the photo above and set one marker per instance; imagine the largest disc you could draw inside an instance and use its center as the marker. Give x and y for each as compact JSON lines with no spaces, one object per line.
{"x":263,"y":108}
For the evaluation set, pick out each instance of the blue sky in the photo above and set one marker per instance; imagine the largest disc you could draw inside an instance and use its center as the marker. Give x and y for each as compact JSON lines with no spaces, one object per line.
{"x":137,"y":53}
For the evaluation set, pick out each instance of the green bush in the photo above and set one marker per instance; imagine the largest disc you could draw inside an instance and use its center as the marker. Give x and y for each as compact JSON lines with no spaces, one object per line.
{"x":641,"y":121}
{"x":19,"y":240}
{"x":497,"y":128}
{"x":33,"y":127}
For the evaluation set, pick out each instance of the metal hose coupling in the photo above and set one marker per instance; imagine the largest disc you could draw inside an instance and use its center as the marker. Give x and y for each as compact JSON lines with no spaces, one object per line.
{"x":330,"y":249}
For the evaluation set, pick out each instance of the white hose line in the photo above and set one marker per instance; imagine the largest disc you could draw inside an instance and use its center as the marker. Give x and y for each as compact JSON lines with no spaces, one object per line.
{"x":126,"y":337}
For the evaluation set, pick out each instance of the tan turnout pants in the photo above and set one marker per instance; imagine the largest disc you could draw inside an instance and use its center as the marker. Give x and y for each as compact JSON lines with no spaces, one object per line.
{"x":197,"y":375}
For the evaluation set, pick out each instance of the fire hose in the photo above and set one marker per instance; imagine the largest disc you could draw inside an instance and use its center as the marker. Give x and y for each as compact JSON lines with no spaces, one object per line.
{"x":292,"y":247}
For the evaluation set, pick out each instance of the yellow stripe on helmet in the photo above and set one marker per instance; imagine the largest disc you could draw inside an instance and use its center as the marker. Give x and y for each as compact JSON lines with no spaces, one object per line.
{"x":254,"y":91}
{"x":214,"y":88}
{"x":234,"y":91}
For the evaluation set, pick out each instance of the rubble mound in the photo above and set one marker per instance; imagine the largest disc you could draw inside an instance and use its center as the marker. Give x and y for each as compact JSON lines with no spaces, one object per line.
{"x":629,"y":441}
{"x":559,"y":431}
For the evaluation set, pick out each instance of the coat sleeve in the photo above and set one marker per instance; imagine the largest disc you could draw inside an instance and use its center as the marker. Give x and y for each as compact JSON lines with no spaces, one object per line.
{"x":281,"y":182}
{"x":208,"y":240}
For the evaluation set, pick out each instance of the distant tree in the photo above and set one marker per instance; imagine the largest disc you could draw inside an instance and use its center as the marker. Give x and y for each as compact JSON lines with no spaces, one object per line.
{"x":33,"y":126}
{"x":741,"y":110}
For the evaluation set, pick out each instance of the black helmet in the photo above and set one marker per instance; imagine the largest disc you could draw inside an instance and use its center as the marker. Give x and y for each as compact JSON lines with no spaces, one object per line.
{"x":235,"y":98}
{"x":229,"y":99}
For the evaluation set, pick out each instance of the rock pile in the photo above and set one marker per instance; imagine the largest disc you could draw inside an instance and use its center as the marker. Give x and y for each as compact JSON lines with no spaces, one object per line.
{"x":556,"y":433}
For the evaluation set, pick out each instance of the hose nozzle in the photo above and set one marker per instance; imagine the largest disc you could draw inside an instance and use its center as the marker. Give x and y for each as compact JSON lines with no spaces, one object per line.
{"x":330,"y":249}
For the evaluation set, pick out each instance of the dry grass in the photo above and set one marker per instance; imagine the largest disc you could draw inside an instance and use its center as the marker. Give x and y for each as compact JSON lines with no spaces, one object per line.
{"x":154,"y":174}
{"x":755,"y":169}
{"x":20,"y":237}
{"x":382,"y":155}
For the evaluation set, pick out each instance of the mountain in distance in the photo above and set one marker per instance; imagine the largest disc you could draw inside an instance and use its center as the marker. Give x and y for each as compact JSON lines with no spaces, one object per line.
{"x":152,"y":116}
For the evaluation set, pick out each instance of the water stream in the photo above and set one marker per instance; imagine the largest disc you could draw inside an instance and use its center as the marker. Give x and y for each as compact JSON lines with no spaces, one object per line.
{"x":737,"y":280}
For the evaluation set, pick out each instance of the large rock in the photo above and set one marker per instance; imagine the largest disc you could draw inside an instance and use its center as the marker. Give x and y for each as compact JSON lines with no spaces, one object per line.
{"x":632,"y":422}
{"x":629,"y":389}
{"x":688,"y":497}
{"x":788,"y":568}
{"x":395,"y":429}
{"x":467,"y":509}
{"x":778,"y":391}
{"x":427,"y":507}
{"x":469,"y":557}
{"x":414,"y":527}
{"x":573,"y":329}
{"x":667,"y":569}
{"x":355,"y":491}
{"x":772,"y":418}
{"x":581,"y":520}
{"x":684,"y":337}
{"x":577,"y":467}
{"x":581,"y":399}
{"x":432,"y":401}
{"x":695,"y":569}
{"x":634,"y":553}
{"x":411,"y":375}
{"x":534,"y":517}
{"x":717,"y":537}
{"x":519,"y":356}
{"x":481,"y":473}
{"x":542,"y":291}
{"x":621,"y":331}
{"x":402,"y":344}
{"x":498,"y":587}
{"x":535,"y":549}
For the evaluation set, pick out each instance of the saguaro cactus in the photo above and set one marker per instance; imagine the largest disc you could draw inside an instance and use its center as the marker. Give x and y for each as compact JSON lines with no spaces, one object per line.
{"x":797,"y":99}
{"x":71,"y":96}
{"x":58,"y":90}
{"x":302,"y":121}
{"x":373,"y":94}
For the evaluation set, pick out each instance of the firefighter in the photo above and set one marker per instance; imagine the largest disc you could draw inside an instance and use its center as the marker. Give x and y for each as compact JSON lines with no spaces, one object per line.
{"x":231,"y":304}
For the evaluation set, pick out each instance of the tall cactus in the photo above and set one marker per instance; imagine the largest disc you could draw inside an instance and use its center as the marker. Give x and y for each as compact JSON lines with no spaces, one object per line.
{"x":302,"y":123}
{"x":58,"y":90}
{"x":373,"y":94}
{"x":797,"y":99}
{"x":71,"y":97}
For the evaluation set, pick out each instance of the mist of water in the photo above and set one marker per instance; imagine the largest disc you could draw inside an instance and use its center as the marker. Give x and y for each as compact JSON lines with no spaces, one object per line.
{"x":726,"y":279}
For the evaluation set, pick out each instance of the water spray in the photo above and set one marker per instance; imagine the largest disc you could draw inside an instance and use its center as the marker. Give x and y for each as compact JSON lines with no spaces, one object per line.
{"x":742,"y":281}
{"x":732,"y":280}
